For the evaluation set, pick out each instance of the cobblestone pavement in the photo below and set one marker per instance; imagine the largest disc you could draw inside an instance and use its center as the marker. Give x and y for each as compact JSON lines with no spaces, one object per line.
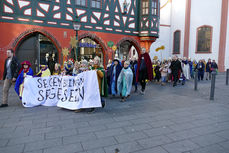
{"x":164,"y":120}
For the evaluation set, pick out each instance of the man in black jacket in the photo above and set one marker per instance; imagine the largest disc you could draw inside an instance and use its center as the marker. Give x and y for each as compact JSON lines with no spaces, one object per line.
{"x":11,"y":69}
{"x":176,"y":69}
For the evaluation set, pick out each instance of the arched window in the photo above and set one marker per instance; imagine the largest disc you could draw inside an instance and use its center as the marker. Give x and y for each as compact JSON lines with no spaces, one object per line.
{"x":176,"y":42}
{"x":204,"y":39}
{"x":145,"y":7}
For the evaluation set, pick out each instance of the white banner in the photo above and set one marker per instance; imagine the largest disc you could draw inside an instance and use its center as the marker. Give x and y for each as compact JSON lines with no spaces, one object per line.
{"x":70,"y":92}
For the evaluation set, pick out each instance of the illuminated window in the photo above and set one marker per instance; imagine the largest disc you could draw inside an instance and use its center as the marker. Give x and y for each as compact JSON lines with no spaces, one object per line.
{"x":204,"y":39}
{"x":80,"y":2}
{"x":145,"y":7}
{"x":96,"y":3}
{"x":176,"y":42}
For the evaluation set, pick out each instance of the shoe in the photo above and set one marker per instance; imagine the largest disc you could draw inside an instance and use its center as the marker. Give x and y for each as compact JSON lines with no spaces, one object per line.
{"x":122,"y":100}
{"x":103,"y":104}
{"x":92,"y":110}
{"x":142,"y":92}
{"x":4,"y":105}
{"x":78,"y":110}
{"x":174,"y":85}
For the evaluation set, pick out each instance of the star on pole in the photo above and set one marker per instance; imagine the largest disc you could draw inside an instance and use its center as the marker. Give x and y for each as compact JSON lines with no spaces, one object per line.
{"x":73,"y":42}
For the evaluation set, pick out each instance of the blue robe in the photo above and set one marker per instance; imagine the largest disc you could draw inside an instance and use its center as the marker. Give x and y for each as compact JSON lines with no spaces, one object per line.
{"x":124,"y":83}
{"x":114,"y":77}
{"x":20,"y":80}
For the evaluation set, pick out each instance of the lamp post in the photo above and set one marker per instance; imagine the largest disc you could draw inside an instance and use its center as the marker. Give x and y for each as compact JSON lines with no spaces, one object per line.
{"x":76,"y":27}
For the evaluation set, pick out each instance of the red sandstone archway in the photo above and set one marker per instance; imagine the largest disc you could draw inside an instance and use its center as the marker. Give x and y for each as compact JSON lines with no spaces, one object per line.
{"x":133,"y":41}
{"x":27,"y":33}
{"x":98,"y":41}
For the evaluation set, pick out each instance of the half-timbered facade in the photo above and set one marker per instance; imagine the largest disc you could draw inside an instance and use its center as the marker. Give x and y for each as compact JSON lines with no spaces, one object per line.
{"x":36,"y":27}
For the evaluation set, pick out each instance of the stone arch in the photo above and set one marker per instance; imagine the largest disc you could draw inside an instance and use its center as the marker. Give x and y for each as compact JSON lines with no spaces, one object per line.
{"x":98,"y":40}
{"x":27,"y":33}
{"x":133,"y":41}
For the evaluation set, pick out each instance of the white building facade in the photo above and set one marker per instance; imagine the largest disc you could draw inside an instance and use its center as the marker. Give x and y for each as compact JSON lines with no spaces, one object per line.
{"x":197,"y":29}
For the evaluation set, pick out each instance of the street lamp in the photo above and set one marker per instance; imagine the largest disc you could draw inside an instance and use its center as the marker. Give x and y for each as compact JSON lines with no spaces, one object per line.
{"x":76,"y":27}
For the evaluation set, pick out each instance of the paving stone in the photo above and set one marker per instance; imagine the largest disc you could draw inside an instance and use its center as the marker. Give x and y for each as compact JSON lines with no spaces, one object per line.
{"x":153,"y":150}
{"x":42,"y":144}
{"x":44,"y":130}
{"x":110,"y":132}
{"x":91,"y":129}
{"x":161,"y":123}
{"x":35,"y":151}
{"x":180,"y":146}
{"x":103,"y":142}
{"x":118,"y":124}
{"x":224,"y":134}
{"x":130,"y":137}
{"x":61,"y":133}
{"x":137,"y":127}
{"x":211,"y":149}
{"x":12,"y":149}
{"x":79,"y":138}
{"x":181,"y":135}
{"x":123,"y":148}
{"x":70,"y":148}
{"x":158,"y":131}
{"x":206,"y":140}
{"x":28,"y":139}
{"x":154,"y":141}
{"x":3,"y":142}
{"x":225,"y":145}
{"x":96,"y":151}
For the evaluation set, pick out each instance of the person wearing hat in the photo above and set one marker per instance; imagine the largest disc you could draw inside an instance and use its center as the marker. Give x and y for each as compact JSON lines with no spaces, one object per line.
{"x":102,"y":82}
{"x":114,"y":73}
{"x":124,"y":83}
{"x":25,"y":71}
{"x":144,"y":71}
{"x":68,"y":67}
{"x":44,"y":70}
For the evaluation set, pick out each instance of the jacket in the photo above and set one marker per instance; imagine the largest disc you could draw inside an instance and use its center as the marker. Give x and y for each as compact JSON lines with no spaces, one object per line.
{"x":15,"y":67}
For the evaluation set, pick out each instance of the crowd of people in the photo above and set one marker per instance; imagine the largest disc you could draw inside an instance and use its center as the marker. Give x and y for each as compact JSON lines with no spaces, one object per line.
{"x":118,"y":77}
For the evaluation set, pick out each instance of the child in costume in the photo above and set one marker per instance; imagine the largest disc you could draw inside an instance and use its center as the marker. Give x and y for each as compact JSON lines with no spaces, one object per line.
{"x":68,"y":67}
{"x":57,"y":69}
{"x":114,"y":73}
{"x":76,"y":68}
{"x":101,"y":80}
{"x":44,"y":70}
{"x":125,"y":80}
{"x":83,"y":66}
{"x":25,"y":71}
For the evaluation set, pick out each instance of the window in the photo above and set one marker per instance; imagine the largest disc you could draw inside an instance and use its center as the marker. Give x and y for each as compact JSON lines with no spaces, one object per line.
{"x":204,"y":39}
{"x":96,"y":3}
{"x":80,"y":2}
{"x":145,"y":7}
{"x":176,"y":42}
{"x":154,"y":7}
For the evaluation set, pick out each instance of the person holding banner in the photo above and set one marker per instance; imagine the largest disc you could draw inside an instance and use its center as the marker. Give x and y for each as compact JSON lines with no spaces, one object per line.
{"x":76,"y":68}
{"x":101,"y":81}
{"x":125,"y":81}
{"x":25,"y":71}
{"x":57,"y":69}
{"x":44,"y":70}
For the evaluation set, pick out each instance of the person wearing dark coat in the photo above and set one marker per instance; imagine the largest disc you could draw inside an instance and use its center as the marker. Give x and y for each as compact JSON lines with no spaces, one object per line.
{"x":214,"y":66}
{"x":134,"y":67}
{"x":176,"y":69}
{"x":208,"y":70}
{"x":200,"y":67}
{"x":114,"y":73}
{"x":11,"y":69}
{"x":144,"y":69}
